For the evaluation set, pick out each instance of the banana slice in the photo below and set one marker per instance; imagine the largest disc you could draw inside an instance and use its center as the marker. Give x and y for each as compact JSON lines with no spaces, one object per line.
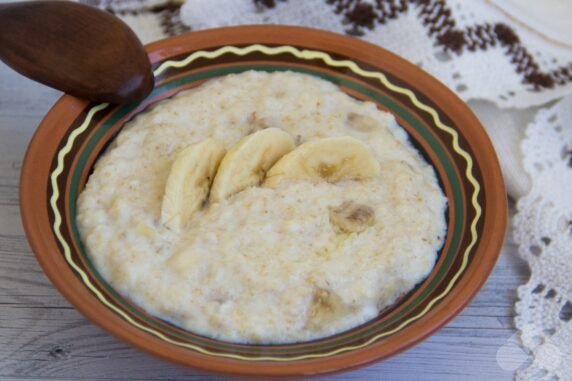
{"x":189,"y":181}
{"x":331,"y":159}
{"x":326,"y":307}
{"x":247,"y":162}
{"x":351,"y":217}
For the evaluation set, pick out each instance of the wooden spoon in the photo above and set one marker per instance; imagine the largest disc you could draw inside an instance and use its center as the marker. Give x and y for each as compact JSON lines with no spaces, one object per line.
{"x":75,"y":48}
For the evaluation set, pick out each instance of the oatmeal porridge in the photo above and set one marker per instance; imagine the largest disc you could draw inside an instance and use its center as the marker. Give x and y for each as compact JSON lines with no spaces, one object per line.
{"x":263,"y":208}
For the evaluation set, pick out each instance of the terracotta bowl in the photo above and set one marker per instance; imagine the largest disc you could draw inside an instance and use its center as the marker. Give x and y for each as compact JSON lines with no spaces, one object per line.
{"x":75,"y":132}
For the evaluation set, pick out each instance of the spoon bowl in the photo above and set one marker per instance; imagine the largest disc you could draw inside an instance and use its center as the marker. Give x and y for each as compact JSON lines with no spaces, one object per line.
{"x":75,"y":48}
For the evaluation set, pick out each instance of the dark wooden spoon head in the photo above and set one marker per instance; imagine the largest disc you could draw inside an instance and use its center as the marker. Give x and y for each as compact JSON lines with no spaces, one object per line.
{"x":75,"y":48}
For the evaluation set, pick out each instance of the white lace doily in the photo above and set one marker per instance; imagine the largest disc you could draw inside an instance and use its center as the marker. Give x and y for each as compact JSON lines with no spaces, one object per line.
{"x":543,"y":230}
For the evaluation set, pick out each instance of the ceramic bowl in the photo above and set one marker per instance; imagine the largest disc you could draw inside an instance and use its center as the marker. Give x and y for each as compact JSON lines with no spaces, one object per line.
{"x":75,"y":132}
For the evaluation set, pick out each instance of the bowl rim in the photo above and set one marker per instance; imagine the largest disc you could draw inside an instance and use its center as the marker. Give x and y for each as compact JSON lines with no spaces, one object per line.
{"x":34,"y":211}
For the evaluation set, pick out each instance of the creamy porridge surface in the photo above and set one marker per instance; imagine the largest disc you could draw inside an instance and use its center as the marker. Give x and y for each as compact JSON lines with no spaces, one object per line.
{"x":265,"y":265}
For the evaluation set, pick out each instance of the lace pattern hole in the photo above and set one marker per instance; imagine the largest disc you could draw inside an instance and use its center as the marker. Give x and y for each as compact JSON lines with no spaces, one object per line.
{"x":536,"y":340}
{"x":461,"y":87}
{"x":566,"y":312}
{"x":539,"y":288}
{"x":443,"y":56}
{"x":535,"y":250}
{"x":566,"y":152}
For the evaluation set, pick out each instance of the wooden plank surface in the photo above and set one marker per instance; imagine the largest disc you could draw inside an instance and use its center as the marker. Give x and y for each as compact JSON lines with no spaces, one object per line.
{"x":43,"y":338}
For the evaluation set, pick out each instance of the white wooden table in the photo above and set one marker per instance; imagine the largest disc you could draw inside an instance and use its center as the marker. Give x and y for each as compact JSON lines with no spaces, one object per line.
{"x":42,"y":337}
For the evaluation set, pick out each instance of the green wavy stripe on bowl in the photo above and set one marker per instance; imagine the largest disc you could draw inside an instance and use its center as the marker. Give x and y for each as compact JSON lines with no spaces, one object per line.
{"x":305,"y":55}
